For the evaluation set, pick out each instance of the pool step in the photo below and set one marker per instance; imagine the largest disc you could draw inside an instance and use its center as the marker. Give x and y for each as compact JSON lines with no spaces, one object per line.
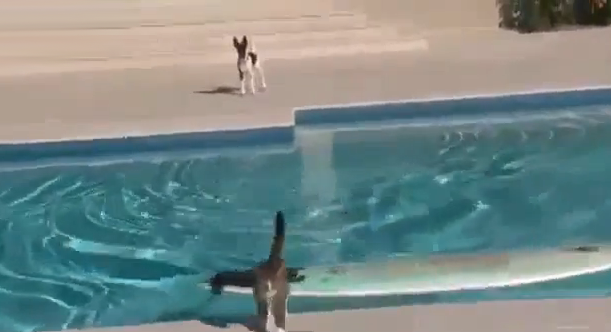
{"x":341,"y":35}
{"x":327,"y":22}
{"x":354,"y":44}
{"x":144,"y":41}
{"x":122,"y":14}
{"x":219,"y":49}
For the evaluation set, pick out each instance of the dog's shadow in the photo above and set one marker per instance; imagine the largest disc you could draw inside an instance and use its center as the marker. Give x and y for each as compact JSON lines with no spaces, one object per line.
{"x":247,"y":323}
{"x":220,"y":90}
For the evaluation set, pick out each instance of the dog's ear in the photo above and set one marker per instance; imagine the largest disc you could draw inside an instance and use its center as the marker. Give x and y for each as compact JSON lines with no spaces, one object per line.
{"x":244,"y":40}
{"x":236,"y":44}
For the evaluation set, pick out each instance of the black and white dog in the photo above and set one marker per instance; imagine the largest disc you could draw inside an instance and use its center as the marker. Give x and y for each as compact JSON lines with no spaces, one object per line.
{"x":248,"y":63}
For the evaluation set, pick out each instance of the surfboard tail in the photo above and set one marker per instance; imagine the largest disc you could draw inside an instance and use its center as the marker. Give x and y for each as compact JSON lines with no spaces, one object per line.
{"x":246,"y":279}
{"x":220,"y":280}
{"x":278,"y":241}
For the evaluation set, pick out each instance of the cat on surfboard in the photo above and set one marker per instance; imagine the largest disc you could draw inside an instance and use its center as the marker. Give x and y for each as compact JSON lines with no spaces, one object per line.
{"x":269,"y":281}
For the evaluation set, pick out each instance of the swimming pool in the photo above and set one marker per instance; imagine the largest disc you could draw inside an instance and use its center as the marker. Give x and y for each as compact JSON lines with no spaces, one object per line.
{"x":91,"y":245}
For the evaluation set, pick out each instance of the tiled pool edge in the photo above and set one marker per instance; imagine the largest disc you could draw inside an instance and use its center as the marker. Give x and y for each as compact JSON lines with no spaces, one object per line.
{"x":501,"y":316}
{"x":467,"y":105}
{"x":149,"y":146}
{"x":310,"y":116}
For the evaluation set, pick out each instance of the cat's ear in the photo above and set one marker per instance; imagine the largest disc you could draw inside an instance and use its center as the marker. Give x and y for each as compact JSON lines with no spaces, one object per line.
{"x":244,"y":40}
{"x":236,"y":44}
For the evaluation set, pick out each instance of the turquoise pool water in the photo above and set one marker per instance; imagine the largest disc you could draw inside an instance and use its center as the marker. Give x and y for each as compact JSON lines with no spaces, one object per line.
{"x":91,"y":245}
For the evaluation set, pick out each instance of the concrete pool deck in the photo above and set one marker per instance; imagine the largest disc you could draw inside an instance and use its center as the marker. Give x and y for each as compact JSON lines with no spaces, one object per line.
{"x":115,"y":68}
{"x":105,"y":94}
{"x":118,"y":102}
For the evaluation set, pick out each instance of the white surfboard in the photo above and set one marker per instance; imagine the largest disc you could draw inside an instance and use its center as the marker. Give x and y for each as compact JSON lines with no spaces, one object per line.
{"x":445,"y":273}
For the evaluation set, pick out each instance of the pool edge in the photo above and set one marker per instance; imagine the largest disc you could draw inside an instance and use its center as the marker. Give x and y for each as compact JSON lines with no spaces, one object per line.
{"x":438,"y":107}
{"x":268,"y":139}
{"x":498,"y":316}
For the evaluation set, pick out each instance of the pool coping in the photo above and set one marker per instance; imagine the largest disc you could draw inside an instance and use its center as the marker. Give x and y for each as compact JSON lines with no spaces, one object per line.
{"x":274,"y":138}
{"x":498,"y":316}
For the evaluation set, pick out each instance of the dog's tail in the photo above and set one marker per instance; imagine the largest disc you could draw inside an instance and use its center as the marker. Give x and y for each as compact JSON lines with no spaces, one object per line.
{"x":251,"y":44}
{"x":278,"y":241}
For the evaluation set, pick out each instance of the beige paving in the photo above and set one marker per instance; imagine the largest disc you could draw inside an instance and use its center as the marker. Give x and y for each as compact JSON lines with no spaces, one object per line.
{"x":73,"y":35}
{"x":98,"y":14}
{"x":167,"y":98}
{"x":88,"y":14}
{"x":426,"y":15}
{"x":146,"y":47}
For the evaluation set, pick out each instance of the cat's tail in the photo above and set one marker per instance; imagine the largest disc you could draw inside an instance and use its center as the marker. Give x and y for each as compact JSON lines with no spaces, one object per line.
{"x":278,"y":241}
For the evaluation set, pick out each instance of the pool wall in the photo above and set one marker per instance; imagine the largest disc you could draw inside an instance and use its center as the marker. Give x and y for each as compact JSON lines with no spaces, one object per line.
{"x":279,"y":138}
{"x":315,"y":146}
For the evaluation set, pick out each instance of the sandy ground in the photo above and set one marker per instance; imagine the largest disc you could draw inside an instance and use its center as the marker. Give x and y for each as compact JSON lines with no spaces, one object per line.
{"x":98,"y":68}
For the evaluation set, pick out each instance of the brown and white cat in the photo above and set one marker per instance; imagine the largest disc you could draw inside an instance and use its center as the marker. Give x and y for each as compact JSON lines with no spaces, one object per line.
{"x":269,"y":281}
{"x":271,"y":289}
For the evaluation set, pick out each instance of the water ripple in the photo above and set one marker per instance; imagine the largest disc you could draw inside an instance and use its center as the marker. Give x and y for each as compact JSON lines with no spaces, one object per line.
{"x":125,"y":243}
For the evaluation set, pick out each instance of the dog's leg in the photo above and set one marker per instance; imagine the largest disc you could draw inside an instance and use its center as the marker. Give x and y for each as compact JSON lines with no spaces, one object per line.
{"x":261,"y":76}
{"x":256,"y":66}
{"x":251,"y":79}
{"x":242,"y":83}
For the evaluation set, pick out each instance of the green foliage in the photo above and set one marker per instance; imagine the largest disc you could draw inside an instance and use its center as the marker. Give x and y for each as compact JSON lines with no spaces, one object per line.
{"x":539,"y":15}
